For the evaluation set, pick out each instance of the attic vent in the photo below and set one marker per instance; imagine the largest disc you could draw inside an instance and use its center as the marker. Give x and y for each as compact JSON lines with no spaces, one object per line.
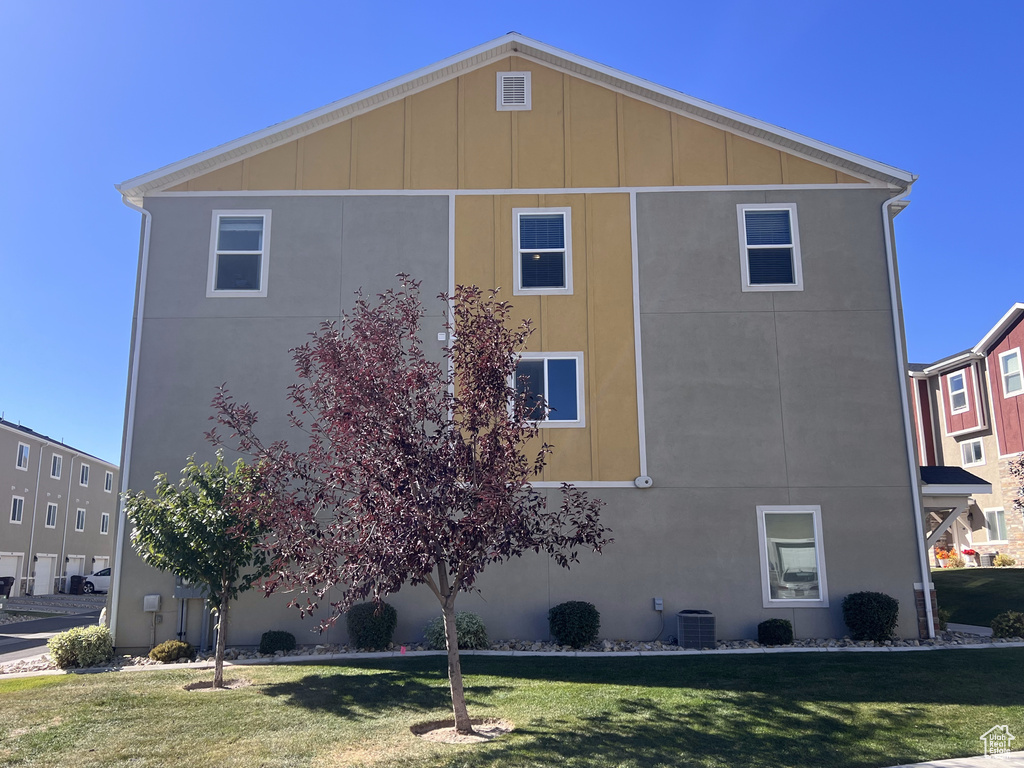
{"x":513,"y":91}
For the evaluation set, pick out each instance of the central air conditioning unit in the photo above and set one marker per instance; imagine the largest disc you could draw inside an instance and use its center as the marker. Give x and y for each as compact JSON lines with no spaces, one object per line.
{"x":696,"y":629}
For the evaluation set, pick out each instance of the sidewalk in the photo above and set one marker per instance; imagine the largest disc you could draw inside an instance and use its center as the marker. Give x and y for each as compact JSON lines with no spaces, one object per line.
{"x":63,"y":604}
{"x":1007,"y":760}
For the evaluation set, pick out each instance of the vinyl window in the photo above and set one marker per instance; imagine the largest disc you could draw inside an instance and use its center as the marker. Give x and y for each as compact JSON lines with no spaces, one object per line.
{"x":51,"y":515}
{"x":105,"y":523}
{"x":552,"y":385}
{"x":80,"y":520}
{"x":56,"y":464}
{"x":792,"y":556}
{"x":769,"y":247}
{"x":995,"y":524}
{"x":108,"y":482}
{"x":542,"y":243}
{"x":1010,"y":368}
{"x":957,"y":392}
{"x":23,"y":454}
{"x":17,"y":509}
{"x":83,"y":477}
{"x":239,"y":257}
{"x":972,"y":452}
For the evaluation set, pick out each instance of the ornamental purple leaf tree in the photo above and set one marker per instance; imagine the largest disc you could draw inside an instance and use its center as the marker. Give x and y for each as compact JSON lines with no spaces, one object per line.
{"x":411,"y":472}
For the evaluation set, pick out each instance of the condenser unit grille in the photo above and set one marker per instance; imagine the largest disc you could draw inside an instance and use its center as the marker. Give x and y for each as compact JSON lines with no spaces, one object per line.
{"x":696,"y":629}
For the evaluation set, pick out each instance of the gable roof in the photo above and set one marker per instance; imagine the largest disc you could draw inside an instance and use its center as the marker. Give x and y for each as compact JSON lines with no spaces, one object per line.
{"x":51,"y":440}
{"x":977,"y":352}
{"x":999,"y":328}
{"x":133,"y":190}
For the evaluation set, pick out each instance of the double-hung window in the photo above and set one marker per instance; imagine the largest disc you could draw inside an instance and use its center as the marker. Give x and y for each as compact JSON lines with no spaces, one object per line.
{"x":239,"y":259}
{"x":105,"y":523}
{"x":972,"y":452}
{"x":80,"y":520}
{"x":51,"y":515}
{"x":957,"y":392}
{"x":83,"y":478}
{"x":552,"y":385}
{"x":108,"y":482}
{"x":995,"y":522}
{"x":792,"y":556}
{"x":1010,"y":368}
{"x":542,"y":242}
{"x":23,"y":454}
{"x":17,"y":509}
{"x":769,"y":247}
{"x":56,"y":463}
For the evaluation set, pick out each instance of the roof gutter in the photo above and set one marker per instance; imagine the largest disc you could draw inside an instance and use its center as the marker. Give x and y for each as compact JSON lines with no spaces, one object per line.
{"x":915,"y":480}
{"x":129,"y":428}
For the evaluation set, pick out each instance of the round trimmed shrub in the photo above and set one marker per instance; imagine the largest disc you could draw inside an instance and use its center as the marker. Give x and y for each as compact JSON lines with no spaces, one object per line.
{"x":471,"y":629}
{"x":775,"y":632}
{"x":371,"y":625}
{"x":170,"y":651}
{"x":871,"y":615}
{"x":574,"y":623}
{"x":81,"y":647}
{"x":274,"y":641}
{"x":1008,"y":624}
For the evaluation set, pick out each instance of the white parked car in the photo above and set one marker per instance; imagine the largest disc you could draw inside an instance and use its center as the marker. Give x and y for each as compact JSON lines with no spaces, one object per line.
{"x":97,"y":582}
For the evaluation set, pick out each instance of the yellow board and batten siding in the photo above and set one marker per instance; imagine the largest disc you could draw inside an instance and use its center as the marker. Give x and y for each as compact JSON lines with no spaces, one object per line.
{"x":577,"y":135}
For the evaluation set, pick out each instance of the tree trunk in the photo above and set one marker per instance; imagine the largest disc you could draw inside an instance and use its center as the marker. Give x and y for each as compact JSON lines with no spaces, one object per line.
{"x":462,"y":724}
{"x":222,"y":631}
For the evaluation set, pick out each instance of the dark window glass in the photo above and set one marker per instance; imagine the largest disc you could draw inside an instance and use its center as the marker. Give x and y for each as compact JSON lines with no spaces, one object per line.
{"x":768,"y":228}
{"x":562,"y":390}
{"x":543,"y":270}
{"x":530,"y":383}
{"x":771,"y":266}
{"x":240,"y":233}
{"x":238,"y":272}
{"x":543,"y":230}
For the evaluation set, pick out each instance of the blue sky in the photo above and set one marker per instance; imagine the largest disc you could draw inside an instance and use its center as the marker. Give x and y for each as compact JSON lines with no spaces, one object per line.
{"x":97,"y":93}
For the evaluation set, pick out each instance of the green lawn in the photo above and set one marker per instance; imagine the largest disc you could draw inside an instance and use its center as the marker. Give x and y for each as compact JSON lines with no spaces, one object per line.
{"x":810,"y":710}
{"x":978,"y":595}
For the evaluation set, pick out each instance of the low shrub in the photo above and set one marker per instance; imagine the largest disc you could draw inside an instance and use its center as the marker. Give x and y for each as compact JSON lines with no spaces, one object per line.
{"x":275,"y":640}
{"x":1003,"y":560}
{"x":775,"y":632}
{"x":371,"y":626}
{"x":871,"y":615}
{"x":943,"y":615}
{"x":471,"y":629}
{"x":574,"y":623}
{"x":171,"y":650}
{"x":956,"y":561}
{"x":81,"y":647}
{"x":1008,"y":624}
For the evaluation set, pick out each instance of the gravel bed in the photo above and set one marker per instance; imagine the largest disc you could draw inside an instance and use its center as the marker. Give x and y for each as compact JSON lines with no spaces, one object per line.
{"x":609,"y":647}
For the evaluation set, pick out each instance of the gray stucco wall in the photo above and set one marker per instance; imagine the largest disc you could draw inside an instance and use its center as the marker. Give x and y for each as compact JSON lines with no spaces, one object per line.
{"x":751,"y":399}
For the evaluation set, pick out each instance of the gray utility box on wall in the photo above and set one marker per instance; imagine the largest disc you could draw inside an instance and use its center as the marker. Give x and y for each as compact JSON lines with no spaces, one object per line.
{"x":696,"y":629}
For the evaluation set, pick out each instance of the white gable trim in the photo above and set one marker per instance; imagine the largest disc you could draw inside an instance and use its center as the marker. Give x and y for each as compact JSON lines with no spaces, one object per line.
{"x":981,"y":348}
{"x":512,"y":44}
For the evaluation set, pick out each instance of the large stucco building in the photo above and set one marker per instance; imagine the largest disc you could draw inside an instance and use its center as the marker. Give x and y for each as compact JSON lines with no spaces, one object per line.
{"x":718,"y":319}
{"x":60,"y":510}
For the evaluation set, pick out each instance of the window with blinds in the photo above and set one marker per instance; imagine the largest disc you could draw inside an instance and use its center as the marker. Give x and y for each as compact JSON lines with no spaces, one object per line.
{"x":514,"y":93}
{"x":769,"y":247}
{"x":542,"y":251}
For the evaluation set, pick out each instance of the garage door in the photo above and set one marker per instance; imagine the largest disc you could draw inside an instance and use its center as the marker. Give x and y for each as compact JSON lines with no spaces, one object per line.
{"x":76,"y":567}
{"x":43,"y":584}
{"x":10,"y":564}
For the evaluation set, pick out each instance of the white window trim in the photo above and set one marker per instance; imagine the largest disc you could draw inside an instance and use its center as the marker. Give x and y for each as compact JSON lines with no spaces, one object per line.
{"x":108,"y":482}
{"x":819,"y":551}
{"x":46,"y":521}
{"x":581,"y":411}
{"x":527,"y":85}
{"x":1002,"y":376}
{"x":105,"y":523}
{"x":28,"y":456}
{"x":981,"y":444}
{"x":58,"y":460}
{"x":83,"y":473}
{"x":798,"y":272}
{"x":517,"y":287}
{"x":211,"y":278}
{"x":77,"y":511}
{"x":10,"y":516}
{"x":988,"y":528}
{"x":949,"y":387}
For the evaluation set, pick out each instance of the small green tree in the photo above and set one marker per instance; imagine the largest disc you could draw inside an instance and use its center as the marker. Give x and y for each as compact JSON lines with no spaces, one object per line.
{"x":201,"y":531}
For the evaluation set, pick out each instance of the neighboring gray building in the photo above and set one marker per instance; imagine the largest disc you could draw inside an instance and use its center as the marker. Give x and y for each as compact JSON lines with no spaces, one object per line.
{"x":717,"y":312}
{"x":60,"y":511}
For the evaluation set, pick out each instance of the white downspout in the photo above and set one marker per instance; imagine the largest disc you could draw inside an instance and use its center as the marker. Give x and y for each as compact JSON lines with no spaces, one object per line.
{"x":915,"y":484}
{"x":32,"y":531}
{"x":126,"y":451}
{"x":67,"y":510}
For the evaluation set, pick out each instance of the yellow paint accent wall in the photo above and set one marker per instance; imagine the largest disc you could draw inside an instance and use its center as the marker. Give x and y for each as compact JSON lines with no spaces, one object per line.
{"x":607,"y":448}
{"x":577,"y":134}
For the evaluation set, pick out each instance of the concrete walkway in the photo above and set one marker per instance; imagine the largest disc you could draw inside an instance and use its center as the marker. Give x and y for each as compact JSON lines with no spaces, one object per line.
{"x":970,"y":629}
{"x":1007,"y":760}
